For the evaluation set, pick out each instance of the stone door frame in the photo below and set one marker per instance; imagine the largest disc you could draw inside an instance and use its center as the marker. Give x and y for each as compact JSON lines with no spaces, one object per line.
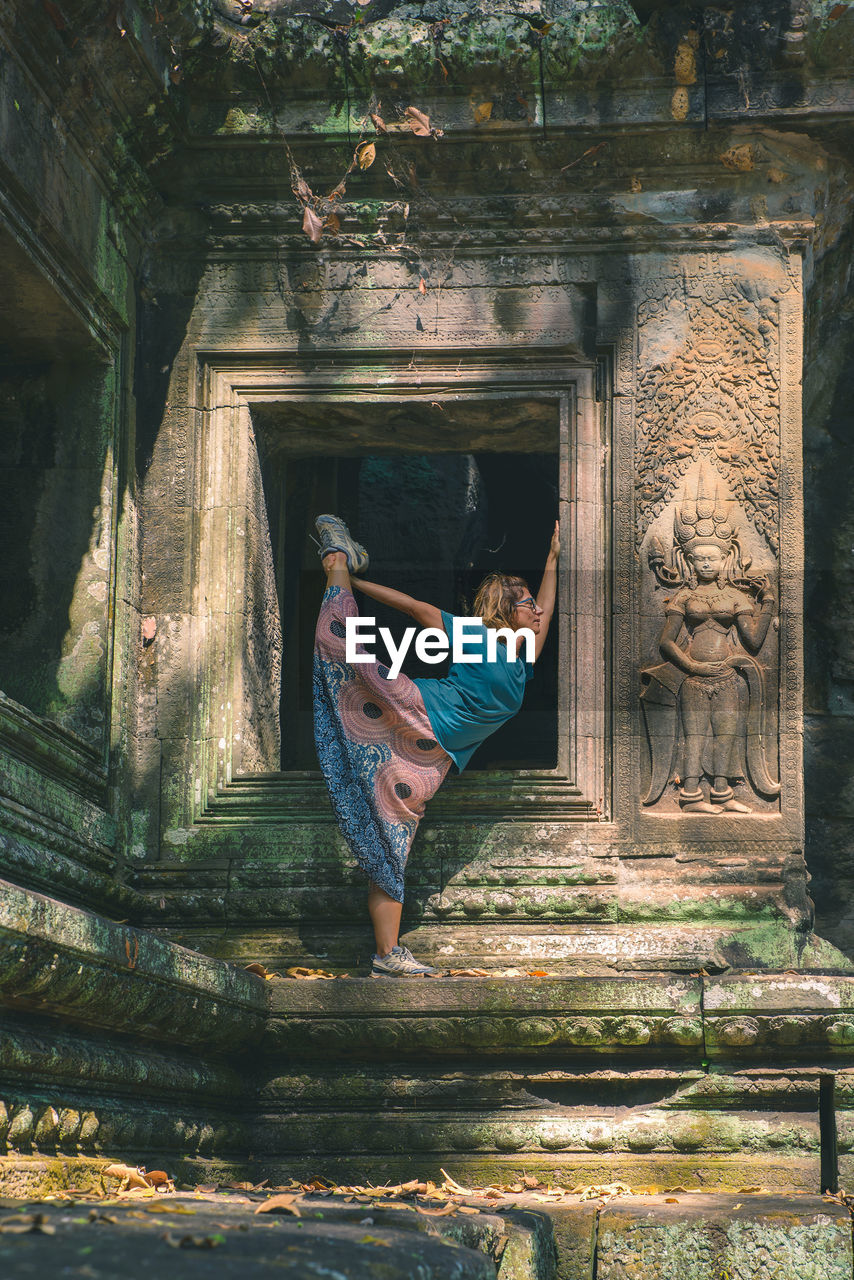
{"x":228,"y":386}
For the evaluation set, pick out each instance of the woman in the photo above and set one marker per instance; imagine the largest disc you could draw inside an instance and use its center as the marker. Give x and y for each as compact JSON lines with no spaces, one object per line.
{"x":385,"y":745}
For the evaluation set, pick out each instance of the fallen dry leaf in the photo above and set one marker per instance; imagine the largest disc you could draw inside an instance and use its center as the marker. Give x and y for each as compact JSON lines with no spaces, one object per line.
{"x":482,"y":112}
{"x":366,"y":154}
{"x":379,"y":123}
{"x":22,"y":1224}
{"x":450,"y":1184}
{"x":468,"y":973}
{"x":96,"y":1216}
{"x":375,"y":1240}
{"x":280,"y":1204}
{"x":467,"y":1208}
{"x":194,"y":1242}
{"x":603,"y":1191}
{"x":168,"y":1206}
{"x":422,"y":285}
{"x":309,"y":975}
{"x":437,"y":1213}
{"x":129,"y":1177}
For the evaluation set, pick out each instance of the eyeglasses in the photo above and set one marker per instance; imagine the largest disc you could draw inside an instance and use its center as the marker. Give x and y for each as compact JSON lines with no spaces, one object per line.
{"x":528,"y":603}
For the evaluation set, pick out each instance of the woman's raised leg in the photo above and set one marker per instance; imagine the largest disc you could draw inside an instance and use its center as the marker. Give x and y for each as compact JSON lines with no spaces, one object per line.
{"x":337,"y":573}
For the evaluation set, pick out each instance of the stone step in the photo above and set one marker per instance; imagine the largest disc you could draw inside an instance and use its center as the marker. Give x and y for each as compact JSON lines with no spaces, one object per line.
{"x":524,"y":1237}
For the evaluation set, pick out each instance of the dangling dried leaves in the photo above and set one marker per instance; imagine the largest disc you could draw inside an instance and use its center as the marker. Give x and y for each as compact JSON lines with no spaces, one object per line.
{"x":379,"y":123}
{"x":366,"y":154}
{"x":419,"y":123}
{"x":311,"y":225}
{"x":482,"y":112}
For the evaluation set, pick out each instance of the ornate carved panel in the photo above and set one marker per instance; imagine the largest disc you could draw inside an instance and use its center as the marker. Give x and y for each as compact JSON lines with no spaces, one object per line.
{"x":715,"y":434}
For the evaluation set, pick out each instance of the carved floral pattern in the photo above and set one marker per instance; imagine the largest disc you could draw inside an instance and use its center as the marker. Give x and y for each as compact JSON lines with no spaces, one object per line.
{"x":708,"y":383}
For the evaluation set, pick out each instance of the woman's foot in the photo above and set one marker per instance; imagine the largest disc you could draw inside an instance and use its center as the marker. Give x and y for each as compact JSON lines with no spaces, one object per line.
{"x":335,"y":536}
{"x":401,"y":963}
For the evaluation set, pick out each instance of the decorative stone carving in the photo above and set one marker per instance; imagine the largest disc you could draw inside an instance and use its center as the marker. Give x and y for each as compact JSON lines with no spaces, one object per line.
{"x":709,"y":380}
{"x":704,"y":706}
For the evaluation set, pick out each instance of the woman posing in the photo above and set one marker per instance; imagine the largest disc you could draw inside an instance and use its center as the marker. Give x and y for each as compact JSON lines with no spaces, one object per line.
{"x":385,"y":744}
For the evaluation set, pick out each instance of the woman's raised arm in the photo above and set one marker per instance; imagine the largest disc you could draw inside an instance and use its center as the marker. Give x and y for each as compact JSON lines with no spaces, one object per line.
{"x":426,"y":615}
{"x":548,"y":591}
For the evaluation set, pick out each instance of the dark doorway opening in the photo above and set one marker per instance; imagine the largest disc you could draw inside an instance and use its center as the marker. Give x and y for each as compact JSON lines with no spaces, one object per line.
{"x":434,"y":524}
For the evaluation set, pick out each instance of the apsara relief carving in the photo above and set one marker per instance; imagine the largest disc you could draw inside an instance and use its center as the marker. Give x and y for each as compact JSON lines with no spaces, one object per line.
{"x":705,"y":705}
{"x":707,"y":454}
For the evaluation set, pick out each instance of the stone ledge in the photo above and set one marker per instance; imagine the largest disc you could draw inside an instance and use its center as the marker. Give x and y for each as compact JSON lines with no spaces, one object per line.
{"x":68,"y":962}
{"x":487,"y":1015}
{"x":689,"y":1018}
{"x":797,"y":1013}
{"x":706,"y":1237}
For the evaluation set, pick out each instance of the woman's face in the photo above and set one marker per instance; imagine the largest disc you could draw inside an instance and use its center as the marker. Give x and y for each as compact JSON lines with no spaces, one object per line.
{"x":707,"y":561}
{"x":527,"y":612}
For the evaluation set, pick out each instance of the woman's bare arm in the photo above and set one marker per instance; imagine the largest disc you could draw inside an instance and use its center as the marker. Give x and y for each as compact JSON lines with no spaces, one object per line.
{"x":426,"y":615}
{"x":547,"y":593}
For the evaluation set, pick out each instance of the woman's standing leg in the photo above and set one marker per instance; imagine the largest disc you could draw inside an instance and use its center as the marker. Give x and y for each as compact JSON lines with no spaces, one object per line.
{"x":385,"y":916}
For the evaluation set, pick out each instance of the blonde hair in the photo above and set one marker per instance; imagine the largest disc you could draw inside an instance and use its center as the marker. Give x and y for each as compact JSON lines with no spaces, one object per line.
{"x":496,"y":599}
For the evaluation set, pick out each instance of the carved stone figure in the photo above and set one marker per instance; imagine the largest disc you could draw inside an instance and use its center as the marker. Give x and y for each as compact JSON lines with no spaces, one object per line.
{"x":704,"y":705}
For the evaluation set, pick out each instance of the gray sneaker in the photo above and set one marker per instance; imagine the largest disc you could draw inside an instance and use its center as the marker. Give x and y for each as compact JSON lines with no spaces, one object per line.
{"x":401,"y":963}
{"x":335,"y":536}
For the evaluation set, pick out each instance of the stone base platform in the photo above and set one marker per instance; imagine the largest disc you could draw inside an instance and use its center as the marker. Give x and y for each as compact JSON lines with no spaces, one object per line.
{"x":119,"y":1045}
{"x":654,"y":1079}
{"x":701,"y":1237}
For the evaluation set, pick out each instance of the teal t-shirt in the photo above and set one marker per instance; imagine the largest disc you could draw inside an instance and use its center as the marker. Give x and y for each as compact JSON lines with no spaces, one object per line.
{"x":474,"y":698}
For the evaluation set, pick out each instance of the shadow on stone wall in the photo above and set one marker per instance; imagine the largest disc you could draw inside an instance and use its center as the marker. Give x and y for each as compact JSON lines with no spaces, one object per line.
{"x":829,"y":593}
